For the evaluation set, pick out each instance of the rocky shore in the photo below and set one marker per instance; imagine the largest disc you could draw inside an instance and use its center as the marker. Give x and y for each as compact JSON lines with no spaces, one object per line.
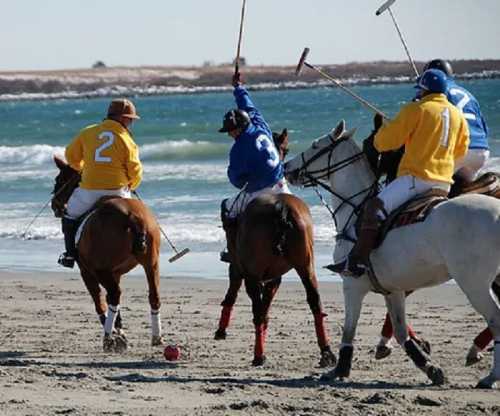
{"x":138,"y":81}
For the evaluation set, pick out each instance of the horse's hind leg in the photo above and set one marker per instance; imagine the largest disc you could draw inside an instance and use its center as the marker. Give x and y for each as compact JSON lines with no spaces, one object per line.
{"x":308,"y":278}
{"x":396,"y":306}
{"x":117,"y":342}
{"x":152,"y":270}
{"x":95,"y":292}
{"x":482,"y":299}
{"x":483,"y":339}
{"x":254,"y":291}
{"x":235,"y":281}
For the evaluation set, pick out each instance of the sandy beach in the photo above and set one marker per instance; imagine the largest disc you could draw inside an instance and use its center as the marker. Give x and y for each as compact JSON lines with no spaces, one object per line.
{"x":51,"y":359}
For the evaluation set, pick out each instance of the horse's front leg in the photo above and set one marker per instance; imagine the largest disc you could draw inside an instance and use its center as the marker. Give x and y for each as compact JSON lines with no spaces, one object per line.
{"x":254,"y":291}
{"x":152,"y":270}
{"x":308,"y":278}
{"x":396,"y":307}
{"x":235,"y":281}
{"x":355,"y":290}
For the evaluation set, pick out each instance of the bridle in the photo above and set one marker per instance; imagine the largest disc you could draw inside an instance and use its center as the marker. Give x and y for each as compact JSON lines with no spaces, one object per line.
{"x":58,"y":206}
{"x":313,"y":178}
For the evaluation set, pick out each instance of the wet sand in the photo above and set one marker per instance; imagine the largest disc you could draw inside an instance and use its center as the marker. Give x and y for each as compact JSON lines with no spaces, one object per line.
{"x":51,"y":359}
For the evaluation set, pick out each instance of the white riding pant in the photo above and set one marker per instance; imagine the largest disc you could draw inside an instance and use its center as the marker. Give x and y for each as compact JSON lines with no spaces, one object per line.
{"x":82,"y":200}
{"x":469,"y":165}
{"x":404,"y":188}
{"x":237,"y":204}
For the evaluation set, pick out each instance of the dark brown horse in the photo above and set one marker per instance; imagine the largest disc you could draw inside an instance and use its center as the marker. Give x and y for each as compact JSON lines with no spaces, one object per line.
{"x":235,"y":279}
{"x":119,"y":234}
{"x":275,"y":235}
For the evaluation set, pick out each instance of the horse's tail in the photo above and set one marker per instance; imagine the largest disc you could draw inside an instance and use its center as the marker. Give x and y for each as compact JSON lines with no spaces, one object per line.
{"x":130,"y":221}
{"x":283,"y":222}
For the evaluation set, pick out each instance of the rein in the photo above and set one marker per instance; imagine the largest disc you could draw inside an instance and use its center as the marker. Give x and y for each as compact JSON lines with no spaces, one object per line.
{"x":314,"y":180}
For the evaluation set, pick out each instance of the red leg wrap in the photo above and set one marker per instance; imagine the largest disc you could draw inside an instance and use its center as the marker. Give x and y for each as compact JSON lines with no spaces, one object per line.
{"x":483,"y":339}
{"x":260,"y":340}
{"x":319,"y":323}
{"x":387,"y":330}
{"x":225,"y":317}
{"x":411,"y":333}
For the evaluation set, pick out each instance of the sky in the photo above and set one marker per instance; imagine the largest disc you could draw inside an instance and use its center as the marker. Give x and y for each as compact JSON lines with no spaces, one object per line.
{"x":60,"y":34}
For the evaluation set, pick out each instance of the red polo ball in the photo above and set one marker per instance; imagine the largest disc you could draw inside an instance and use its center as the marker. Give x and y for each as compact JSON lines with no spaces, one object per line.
{"x":171,"y":353}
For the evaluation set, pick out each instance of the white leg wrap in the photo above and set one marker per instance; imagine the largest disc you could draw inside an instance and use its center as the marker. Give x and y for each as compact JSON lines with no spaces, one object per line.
{"x":110,"y":319}
{"x":155,"y":322}
{"x":496,"y":359}
{"x":384,"y":342}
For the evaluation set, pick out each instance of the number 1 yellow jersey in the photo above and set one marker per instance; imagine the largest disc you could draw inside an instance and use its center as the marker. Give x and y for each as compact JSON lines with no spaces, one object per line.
{"x":107,"y":156}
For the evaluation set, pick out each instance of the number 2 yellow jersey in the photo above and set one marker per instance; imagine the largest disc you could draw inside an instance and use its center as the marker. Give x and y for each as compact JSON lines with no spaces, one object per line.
{"x":434,"y":133}
{"x":107,"y":156}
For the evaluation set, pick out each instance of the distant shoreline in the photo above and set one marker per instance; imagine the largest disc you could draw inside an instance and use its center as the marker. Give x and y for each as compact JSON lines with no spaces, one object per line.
{"x":147,"y":81}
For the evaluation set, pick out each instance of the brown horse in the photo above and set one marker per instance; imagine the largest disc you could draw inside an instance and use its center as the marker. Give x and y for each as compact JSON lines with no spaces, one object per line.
{"x":274,"y":235}
{"x":281,"y":141}
{"x":119,"y":234}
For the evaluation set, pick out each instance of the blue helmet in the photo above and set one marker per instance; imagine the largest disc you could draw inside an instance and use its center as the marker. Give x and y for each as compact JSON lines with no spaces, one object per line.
{"x":434,"y":81}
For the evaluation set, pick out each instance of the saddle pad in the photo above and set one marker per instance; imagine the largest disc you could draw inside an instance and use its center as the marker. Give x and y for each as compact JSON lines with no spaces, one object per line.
{"x":415,"y":210}
{"x":82,"y":226}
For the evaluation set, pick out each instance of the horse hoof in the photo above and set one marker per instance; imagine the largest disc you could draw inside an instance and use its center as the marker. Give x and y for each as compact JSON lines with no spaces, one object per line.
{"x":157,"y":340}
{"x":258,"y":361}
{"x":486,"y":383}
{"x":424,"y":345}
{"x":332,"y":376}
{"x":327,"y":359}
{"x":220,"y":334}
{"x":436,"y":375}
{"x":473,"y":358}
{"x":108,"y":344}
{"x":382,"y":351}
{"x":121,"y":344}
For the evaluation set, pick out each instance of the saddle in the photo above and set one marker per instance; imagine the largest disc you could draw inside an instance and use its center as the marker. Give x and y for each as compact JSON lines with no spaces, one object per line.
{"x":414,"y":211}
{"x":486,"y":184}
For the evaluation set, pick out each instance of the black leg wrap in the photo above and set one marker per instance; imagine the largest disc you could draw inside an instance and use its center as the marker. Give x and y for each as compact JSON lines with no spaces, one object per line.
{"x":118,"y":321}
{"x":343,"y":368}
{"x":418,"y":357}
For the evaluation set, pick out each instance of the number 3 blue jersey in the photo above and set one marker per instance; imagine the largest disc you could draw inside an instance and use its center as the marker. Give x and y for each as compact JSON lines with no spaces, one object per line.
{"x":253,"y":159}
{"x":465,"y":101}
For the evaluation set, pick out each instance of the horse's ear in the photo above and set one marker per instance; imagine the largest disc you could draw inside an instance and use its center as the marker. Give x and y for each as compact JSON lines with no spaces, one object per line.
{"x":349,"y":133}
{"x":338,"y":131}
{"x":284,"y":133}
{"x":61,"y":164}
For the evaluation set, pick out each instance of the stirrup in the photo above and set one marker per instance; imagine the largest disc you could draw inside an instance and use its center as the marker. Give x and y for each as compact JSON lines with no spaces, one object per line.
{"x":66,"y":260}
{"x":346,"y":268}
{"x":225,"y":257}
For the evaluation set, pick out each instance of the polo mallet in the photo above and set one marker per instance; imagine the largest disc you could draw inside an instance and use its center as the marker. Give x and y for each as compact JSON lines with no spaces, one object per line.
{"x":237,"y":60}
{"x":387,"y":6}
{"x":303,"y":62}
{"x":178,"y":254}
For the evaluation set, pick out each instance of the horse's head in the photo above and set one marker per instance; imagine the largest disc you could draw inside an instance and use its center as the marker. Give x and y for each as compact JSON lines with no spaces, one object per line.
{"x":319,"y":160}
{"x":281,"y":143}
{"x":65,"y":183}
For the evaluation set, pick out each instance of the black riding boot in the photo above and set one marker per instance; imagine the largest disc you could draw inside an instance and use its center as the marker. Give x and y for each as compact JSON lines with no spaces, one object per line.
{"x":359,"y":257}
{"x":69,"y":228}
{"x":230,"y":226}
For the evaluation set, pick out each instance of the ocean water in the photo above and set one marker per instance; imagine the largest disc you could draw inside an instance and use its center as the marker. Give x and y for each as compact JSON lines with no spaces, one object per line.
{"x":185,"y":161}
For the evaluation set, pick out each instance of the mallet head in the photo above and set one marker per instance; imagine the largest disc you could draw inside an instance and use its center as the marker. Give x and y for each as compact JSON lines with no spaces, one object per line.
{"x":302,"y":60}
{"x":178,"y":255}
{"x":384,"y":7}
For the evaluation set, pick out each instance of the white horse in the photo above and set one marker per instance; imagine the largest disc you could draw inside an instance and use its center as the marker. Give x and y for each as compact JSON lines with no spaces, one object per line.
{"x":459,"y":240}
